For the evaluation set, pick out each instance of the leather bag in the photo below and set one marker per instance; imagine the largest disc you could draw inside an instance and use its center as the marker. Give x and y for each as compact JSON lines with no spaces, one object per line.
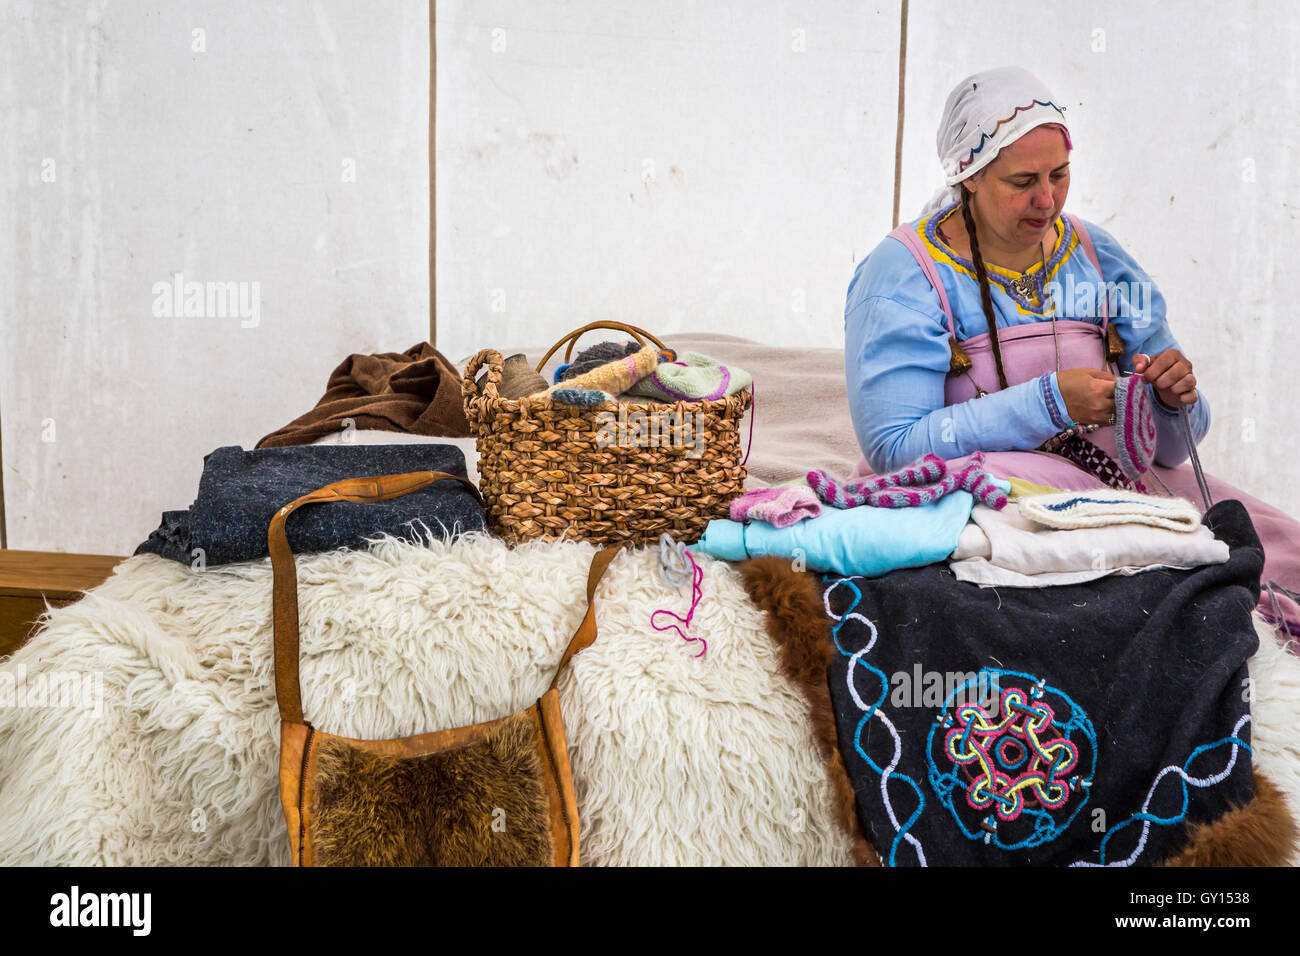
{"x":498,"y":793}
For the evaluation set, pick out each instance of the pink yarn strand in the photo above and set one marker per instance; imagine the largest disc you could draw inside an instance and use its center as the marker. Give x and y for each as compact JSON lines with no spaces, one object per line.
{"x":697,"y":578}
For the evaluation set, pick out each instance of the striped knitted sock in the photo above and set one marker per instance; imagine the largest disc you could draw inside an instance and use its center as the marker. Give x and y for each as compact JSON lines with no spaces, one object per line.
{"x":830,"y":492}
{"x":972,"y":477}
{"x":915,"y":497}
{"x":925,"y":470}
{"x":980,"y":484}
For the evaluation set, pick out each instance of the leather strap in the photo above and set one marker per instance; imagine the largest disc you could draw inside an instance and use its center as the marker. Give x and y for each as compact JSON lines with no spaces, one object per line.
{"x":284,"y":589}
{"x":586,"y":632}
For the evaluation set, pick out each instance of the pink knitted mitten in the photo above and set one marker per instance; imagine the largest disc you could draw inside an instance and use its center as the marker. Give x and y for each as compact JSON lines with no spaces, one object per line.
{"x":780,"y":507}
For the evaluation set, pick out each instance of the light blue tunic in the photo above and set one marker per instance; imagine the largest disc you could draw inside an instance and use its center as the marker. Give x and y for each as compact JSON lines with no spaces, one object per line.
{"x":896,"y":352}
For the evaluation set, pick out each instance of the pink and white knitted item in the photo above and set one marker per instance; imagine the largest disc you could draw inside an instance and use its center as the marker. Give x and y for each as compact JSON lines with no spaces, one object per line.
{"x":781,"y":507}
{"x":902,"y":489}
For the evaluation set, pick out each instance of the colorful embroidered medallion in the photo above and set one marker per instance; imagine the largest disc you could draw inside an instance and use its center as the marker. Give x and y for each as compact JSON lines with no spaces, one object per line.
{"x":1013,"y":772}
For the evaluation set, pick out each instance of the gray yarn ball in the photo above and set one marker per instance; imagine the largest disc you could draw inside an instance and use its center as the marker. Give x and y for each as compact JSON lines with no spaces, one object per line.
{"x":580,"y":397}
{"x":599,"y":354}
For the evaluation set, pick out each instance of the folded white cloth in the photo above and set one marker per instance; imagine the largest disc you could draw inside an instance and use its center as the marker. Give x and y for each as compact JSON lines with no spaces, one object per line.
{"x":1004,"y":548}
{"x":1099,"y":507}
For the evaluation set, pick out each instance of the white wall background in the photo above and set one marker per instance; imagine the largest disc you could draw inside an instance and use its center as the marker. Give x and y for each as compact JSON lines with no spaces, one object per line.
{"x":680,"y":165}
{"x":717,"y":165}
{"x":224,"y":164}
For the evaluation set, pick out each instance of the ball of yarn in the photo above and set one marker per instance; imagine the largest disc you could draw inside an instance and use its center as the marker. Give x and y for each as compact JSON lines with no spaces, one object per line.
{"x":599,"y":354}
{"x":581,"y":397}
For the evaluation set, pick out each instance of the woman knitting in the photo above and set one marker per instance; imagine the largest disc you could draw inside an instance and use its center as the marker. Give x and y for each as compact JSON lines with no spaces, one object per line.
{"x":995,"y":323}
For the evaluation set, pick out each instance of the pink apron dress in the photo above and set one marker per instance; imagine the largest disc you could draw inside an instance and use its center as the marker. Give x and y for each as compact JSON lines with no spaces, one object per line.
{"x":1028,"y":351}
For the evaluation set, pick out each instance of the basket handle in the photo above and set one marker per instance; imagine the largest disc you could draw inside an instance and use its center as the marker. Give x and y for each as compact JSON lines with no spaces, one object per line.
{"x":572,"y":338}
{"x":469,"y":388}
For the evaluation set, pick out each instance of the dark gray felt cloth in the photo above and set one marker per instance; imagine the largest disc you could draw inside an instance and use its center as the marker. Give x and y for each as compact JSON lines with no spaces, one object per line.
{"x":240,"y":491}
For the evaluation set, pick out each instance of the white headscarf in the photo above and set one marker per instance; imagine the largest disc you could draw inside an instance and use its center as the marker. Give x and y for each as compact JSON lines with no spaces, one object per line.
{"x":984,"y":113}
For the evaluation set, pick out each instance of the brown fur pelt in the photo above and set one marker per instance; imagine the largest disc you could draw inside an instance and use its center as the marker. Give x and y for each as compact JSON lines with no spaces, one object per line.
{"x":438,"y":809}
{"x":797,"y":625}
{"x":1261,"y":833}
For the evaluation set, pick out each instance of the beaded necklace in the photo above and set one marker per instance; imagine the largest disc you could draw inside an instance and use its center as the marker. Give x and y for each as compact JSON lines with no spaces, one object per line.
{"x":1020,"y":289}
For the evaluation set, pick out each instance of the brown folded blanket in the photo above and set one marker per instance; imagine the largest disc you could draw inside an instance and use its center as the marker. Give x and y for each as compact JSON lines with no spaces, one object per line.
{"x":417,"y":391}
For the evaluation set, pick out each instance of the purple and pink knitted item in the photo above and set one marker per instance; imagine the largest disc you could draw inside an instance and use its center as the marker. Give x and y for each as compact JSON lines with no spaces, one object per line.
{"x":1135,"y":426}
{"x":912,"y":486}
{"x":971,"y":477}
{"x":925,"y":470}
{"x":780,"y":507}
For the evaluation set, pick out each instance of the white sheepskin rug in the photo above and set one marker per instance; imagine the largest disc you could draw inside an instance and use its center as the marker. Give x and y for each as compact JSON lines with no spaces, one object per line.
{"x":147,"y":731}
{"x":1275,"y":713}
{"x":162,"y":744}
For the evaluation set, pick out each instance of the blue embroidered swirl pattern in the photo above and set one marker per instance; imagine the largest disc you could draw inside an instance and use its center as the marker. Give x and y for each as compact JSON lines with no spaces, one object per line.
{"x":859,"y":667}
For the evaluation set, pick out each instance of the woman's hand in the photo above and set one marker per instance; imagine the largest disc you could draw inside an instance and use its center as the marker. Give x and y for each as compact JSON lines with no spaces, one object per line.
{"x":1171,"y":374}
{"x":1089,"y":395}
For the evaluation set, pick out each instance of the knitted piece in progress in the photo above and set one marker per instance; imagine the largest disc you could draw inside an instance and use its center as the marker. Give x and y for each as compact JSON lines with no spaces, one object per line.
{"x":614,"y":377}
{"x":1135,"y":426}
{"x":781,"y":506}
{"x":1098,"y":507}
{"x":912,"y":486}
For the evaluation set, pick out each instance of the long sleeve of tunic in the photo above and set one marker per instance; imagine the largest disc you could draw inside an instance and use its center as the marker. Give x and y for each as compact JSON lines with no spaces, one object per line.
{"x":896,"y":350}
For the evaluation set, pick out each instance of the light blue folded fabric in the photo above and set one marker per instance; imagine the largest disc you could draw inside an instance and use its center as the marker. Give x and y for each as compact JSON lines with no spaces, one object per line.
{"x":864,"y":540}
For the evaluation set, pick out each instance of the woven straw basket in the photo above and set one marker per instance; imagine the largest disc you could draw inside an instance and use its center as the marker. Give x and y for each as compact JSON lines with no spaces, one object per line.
{"x":602,"y":474}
